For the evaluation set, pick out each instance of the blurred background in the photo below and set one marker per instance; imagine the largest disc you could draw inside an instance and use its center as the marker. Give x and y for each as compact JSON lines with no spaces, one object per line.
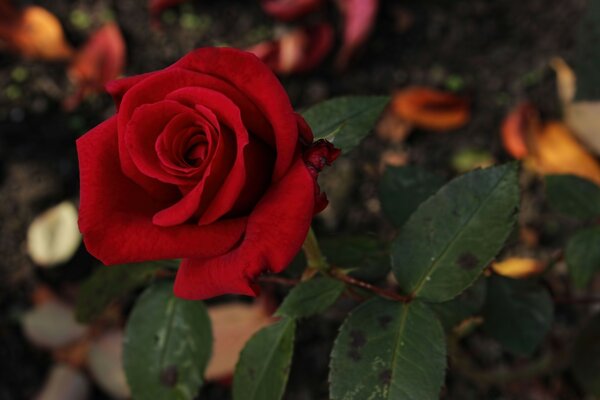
{"x":55,"y":57}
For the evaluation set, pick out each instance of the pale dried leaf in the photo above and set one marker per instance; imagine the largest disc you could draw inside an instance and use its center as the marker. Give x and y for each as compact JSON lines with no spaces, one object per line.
{"x":52,"y":325}
{"x":65,"y":383}
{"x":105,"y":362}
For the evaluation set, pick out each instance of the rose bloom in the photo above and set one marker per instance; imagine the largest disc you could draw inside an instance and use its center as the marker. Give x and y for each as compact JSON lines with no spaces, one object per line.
{"x":205,"y":161}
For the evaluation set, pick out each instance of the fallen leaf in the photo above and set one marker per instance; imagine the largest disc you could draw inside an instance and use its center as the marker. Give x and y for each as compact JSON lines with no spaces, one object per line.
{"x":392,"y":127}
{"x":554,"y":150}
{"x":582,"y":117}
{"x":105,"y":362}
{"x":233,"y":325}
{"x":359,"y":18}
{"x":52,"y":325}
{"x":519,"y":268}
{"x":35,"y":33}
{"x":393,"y":158}
{"x":518,"y":126}
{"x":431,"y":109}
{"x":65,"y":383}
{"x":469,"y":159}
{"x":288,"y":10}
{"x":53,"y":237}
{"x":566,"y":82}
{"x":74,"y":354}
{"x":101,"y":60}
{"x":296,"y":51}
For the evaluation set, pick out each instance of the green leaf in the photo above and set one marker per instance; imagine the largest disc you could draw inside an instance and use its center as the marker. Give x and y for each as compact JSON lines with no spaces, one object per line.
{"x":167,"y":345}
{"x":586,"y":357}
{"x":517,"y":313}
{"x":311,"y":297}
{"x":264,"y":365}
{"x":456,"y":233}
{"x":402,"y":189}
{"x":366,"y":255}
{"x":469,"y":303}
{"x":345,"y":121}
{"x":574,"y":196}
{"x":108,"y":284}
{"x":583,"y":255}
{"x":388,"y":350}
{"x":587,"y":54}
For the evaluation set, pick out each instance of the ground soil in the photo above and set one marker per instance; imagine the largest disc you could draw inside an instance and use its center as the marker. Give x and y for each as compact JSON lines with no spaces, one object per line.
{"x":495,"y":52}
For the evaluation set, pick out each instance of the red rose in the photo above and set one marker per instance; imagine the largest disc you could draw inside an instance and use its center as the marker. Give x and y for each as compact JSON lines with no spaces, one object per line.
{"x":206,"y":161}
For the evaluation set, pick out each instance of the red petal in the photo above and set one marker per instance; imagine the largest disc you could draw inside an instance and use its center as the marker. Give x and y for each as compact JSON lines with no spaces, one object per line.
{"x":255,"y":80}
{"x":101,"y":60}
{"x":359,"y":16}
{"x":274,"y":235}
{"x":287,"y":10}
{"x":115,"y":214}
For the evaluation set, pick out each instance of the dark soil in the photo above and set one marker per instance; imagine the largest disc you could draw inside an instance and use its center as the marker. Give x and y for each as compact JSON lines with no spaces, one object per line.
{"x":496,"y":52}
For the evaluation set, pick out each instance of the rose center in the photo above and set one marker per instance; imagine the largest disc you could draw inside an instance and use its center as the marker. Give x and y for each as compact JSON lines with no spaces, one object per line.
{"x":196,"y":150}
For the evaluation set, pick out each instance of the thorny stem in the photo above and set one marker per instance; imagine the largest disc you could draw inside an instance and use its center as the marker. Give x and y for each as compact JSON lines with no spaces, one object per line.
{"x":388,"y":294}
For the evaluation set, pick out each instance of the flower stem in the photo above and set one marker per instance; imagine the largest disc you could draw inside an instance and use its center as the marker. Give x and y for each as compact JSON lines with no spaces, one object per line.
{"x":388,"y":294}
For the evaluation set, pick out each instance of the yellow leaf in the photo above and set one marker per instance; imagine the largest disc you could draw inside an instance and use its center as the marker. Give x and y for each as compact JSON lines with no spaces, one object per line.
{"x":554,"y":150}
{"x":36,"y":33}
{"x":518,"y":268}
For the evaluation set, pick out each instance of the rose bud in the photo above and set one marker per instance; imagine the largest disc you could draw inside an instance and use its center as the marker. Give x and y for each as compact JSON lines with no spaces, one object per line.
{"x":205,"y":161}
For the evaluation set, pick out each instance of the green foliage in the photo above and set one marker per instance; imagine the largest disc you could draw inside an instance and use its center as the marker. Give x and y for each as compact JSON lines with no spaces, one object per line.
{"x":345,"y":121}
{"x":107,"y":284}
{"x":583,"y":255}
{"x":264,"y":365}
{"x":367,"y":256}
{"x":388,"y":350}
{"x":467,"y":304}
{"x":517,"y":313}
{"x":311,"y":297}
{"x":573,"y":195}
{"x":588,"y":54}
{"x":402,"y":189}
{"x":586,"y":357}
{"x":167,"y":345}
{"x":456,"y":233}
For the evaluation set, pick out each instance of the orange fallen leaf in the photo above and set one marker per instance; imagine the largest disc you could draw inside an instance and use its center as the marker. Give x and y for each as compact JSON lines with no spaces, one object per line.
{"x":233,"y":325}
{"x":554,"y":150}
{"x":519,"y":125}
{"x":431,"y":109}
{"x":35,"y":33}
{"x":519,"y":267}
{"x":288,"y":10}
{"x":392,"y":127}
{"x":359,"y":18}
{"x":297,"y":51}
{"x":101,"y":60}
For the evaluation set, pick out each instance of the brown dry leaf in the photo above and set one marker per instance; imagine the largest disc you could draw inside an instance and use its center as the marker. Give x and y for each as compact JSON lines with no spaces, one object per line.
{"x":519,"y":267}
{"x":393,"y":128}
{"x":431,"y":109}
{"x":233,"y":324}
{"x":393,"y":158}
{"x":105,"y":362}
{"x":65,"y":383}
{"x":52,"y":325}
{"x":36,"y":33}
{"x":554,"y":150}
{"x":101,"y":60}
{"x":521,"y":124}
{"x":74,"y":354}
{"x":582,"y":117}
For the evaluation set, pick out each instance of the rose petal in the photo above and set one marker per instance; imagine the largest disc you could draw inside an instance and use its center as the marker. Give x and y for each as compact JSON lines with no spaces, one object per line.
{"x":245,"y":72}
{"x":114,"y":210}
{"x":267,"y":245}
{"x":287,"y":10}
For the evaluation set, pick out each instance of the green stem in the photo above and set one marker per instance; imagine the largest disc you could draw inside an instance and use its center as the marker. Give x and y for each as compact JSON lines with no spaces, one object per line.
{"x":314,"y":258}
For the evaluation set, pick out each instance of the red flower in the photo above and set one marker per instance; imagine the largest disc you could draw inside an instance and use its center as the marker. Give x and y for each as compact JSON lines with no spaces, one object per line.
{"x":203,"y":161}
